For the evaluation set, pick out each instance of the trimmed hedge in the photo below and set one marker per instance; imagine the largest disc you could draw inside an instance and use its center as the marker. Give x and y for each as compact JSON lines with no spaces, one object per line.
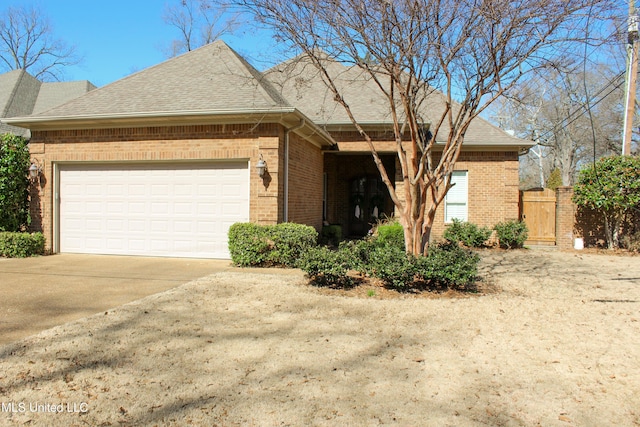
{"x":391,"y":233}
{"x":467,"y":233}
{"x":327,"y":267}
{"x":446,"y":266}
{"x":282,"y":244}
{"x":21,"y":245}
{"x":511,"y":234}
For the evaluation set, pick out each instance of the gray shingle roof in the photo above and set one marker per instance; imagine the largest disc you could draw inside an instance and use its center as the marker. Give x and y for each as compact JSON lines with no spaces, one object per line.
{"x":18,"y":94}
{"x":301,"y":83}
{"x":56,"y":93}
{"x":21,"y":94}
{"x":215,"y":80}
{"x":211,"y":78}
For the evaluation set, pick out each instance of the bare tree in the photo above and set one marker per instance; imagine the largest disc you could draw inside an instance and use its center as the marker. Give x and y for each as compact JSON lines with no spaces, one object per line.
{"x":563,"y":111}
{"x":199,"y":22}
{"x":439,"y":63}
{"x":27,"y":42}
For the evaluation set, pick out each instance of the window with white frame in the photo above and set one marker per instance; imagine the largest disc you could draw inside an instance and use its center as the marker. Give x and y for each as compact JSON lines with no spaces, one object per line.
{"x":456,"y":202}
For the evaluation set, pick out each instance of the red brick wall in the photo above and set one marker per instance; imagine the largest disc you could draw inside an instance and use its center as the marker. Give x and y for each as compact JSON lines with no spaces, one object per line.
{"x":576,"y":221}
{"x":171,"y":143}
{"x":565,"y":217}
{"x":493,"y":188}
{"x":305,"y":182}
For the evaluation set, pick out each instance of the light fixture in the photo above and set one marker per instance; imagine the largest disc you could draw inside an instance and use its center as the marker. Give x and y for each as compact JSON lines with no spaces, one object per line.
{"x":34,"y":171}
{"x":261,"y":166}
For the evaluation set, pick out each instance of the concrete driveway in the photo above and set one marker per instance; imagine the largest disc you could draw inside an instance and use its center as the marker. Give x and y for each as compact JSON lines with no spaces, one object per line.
{"x":42,"y":292}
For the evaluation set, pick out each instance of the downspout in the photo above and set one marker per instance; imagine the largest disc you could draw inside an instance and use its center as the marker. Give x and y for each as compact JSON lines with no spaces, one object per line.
{"x":285,"y":213}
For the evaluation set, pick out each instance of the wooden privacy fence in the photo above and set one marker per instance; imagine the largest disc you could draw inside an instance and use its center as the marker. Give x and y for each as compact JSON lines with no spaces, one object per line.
{"x":538,"y":211}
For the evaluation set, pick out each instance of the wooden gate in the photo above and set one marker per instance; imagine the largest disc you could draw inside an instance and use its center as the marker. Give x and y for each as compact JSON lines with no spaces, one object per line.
{"x":538,"y":211}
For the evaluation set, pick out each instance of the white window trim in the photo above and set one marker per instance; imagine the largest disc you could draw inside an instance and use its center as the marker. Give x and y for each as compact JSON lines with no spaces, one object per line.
{"x":464,"y":173}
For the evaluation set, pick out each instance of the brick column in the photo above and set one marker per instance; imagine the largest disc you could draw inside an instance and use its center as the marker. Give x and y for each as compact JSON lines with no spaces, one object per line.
{"x":565,"y":218}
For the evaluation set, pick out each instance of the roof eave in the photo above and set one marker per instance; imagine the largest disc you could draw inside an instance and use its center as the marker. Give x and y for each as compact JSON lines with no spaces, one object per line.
{"x":288,"y":117}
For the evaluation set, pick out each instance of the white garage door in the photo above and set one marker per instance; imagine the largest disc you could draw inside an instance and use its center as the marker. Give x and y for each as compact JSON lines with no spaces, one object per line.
{"x":176,"y":210}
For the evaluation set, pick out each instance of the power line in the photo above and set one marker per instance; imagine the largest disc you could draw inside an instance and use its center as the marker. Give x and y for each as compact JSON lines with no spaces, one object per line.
{"x":582,"y":109}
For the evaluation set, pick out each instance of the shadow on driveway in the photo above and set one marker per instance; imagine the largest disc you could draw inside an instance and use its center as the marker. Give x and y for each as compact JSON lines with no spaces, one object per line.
{"x":42,"y":292}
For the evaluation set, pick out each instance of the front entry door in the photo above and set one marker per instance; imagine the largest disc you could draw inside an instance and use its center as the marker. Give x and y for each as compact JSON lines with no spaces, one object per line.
{"x":367,"y":203}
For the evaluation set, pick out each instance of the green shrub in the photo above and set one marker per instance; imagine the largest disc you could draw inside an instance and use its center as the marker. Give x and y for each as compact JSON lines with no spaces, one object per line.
{"x":555,"y":179}
{"x":611,"y":187}
{"x":281,"y":244}
{"x":467,"y":233}
{"x":21,"y":245}
{"x":391,"y":234}
{"x":289,"y":242}
{"x":448,"y":266}
{"x":14,"y":184}
{"x":511,"y":234}
{"x":327,"y":267}
{"x":331,"y":234}
{"x":248,"y":244}
{"x":392,"y":265}
{"x":356,"y":253}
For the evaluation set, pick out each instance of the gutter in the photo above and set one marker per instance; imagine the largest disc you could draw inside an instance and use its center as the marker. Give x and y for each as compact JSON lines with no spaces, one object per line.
{"x":285,"y":213}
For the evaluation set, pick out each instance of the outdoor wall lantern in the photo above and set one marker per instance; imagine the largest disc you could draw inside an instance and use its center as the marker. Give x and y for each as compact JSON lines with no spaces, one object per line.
{"x":34,"y":171}
{"x":261,"y":166}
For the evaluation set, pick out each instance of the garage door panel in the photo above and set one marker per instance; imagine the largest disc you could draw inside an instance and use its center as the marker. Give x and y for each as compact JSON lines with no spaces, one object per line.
{"x":156,"y":210}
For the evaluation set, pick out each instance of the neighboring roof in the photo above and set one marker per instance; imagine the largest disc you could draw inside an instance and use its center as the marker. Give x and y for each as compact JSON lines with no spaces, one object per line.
{"x":18,"y":94}
{"x":22,"y":94}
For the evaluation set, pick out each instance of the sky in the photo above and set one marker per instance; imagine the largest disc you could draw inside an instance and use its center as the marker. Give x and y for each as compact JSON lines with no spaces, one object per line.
{"x":116,"y":38}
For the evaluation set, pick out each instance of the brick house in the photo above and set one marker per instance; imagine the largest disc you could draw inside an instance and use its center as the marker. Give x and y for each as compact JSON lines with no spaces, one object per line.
{"x":162,"y":162}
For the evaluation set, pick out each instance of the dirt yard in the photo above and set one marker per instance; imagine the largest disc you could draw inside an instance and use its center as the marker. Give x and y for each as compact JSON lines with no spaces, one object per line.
{"x":556,"y":344}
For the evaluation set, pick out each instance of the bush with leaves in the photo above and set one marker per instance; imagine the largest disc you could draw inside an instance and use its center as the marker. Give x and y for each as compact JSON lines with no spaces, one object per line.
{"x":392,"y":265}
{"x":327,"y":267}
{"x":248,"y":244}
{"x":14,"y":183}
{"x":555,"y":179}
{"x":449,"y":266}
{"x":467,"y":233}
{"x":331,"y":234}
{"x":21,"y":245}
{"x":611,"y":187}
{"x":511,"y":234}
{"x":390,"y":233}
{"x":265,"y":245}
{"x":290,"y":241}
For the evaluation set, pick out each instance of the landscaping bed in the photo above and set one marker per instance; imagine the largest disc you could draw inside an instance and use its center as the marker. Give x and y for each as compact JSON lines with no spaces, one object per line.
{"x":556,"y":345}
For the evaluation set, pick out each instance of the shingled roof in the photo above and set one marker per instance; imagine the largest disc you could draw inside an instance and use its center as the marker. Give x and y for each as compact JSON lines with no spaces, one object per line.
{"x":21,"y":94}
{"x":212,"y":78}
{"x":301,"y":83}
{"x":214,"y":83}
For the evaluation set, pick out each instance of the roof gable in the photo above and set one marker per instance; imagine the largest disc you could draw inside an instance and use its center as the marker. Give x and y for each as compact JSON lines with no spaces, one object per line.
{"x":211,"y":78}
{"x":300,"y":82}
